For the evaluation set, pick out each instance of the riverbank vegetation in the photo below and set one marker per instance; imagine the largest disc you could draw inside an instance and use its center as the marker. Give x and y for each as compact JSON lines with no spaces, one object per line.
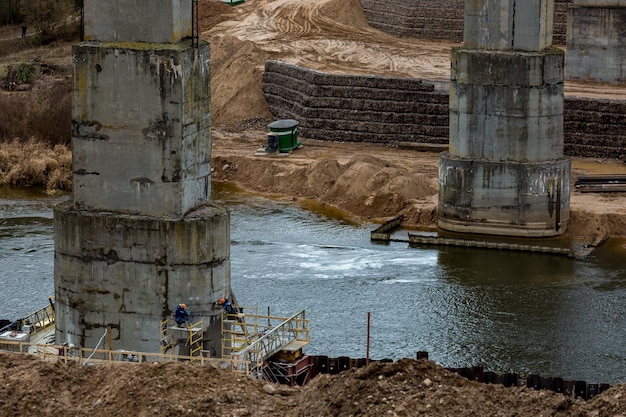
{"x":35,"y":93}
{"x":36,"y":164}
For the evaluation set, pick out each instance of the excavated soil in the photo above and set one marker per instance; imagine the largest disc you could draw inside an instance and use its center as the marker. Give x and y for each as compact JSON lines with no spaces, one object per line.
{"x":404,"y":388}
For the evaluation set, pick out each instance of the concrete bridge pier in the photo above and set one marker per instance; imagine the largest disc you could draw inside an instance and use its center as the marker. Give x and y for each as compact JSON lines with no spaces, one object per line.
{"x":140,"y":234}
{"x":505,"y":172}
{"x":596,"y":41}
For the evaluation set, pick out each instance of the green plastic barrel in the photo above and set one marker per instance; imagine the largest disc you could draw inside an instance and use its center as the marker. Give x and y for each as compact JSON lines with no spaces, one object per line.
{"x":287,"y":132}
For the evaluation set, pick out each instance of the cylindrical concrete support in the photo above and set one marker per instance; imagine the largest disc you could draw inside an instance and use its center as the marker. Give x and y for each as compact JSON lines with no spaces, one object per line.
{"x":513,"y":199}
{"x":130,"y":272}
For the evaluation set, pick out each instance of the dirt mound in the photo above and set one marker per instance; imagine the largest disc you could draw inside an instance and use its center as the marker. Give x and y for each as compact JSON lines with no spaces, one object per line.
{"x":324,"y":35}
{"x":369,"y":181}
{"x":405,"y":388}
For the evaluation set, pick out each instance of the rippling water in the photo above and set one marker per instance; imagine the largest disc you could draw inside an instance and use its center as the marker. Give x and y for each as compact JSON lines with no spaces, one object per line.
{"x":26,"y":251}
{"x":507,"y":311}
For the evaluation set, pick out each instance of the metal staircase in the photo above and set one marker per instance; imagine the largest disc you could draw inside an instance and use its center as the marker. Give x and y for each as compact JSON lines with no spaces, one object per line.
{"x":249,"y":340}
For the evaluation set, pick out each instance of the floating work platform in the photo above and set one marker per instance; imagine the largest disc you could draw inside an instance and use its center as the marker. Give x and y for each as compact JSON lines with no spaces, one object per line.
{"x":600,"y":183}
{"x":387,"y":232}
{"x":383,"y":233}
{"x":430,"y":240}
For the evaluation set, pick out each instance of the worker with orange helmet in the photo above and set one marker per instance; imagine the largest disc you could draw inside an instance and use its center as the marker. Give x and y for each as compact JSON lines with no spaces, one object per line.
{"x":228,"y":307}
{"x":181,"y":316}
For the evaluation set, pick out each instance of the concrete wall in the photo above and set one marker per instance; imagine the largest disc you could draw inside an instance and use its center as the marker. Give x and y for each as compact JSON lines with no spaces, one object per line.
{"x":595,"y":128}
{"x":596,"y":42}
{"x":332,"y":107}
{"x":130,"y":272}
{"x":443,"y":19}
{"x":157,"y":21}
{"x":141,"y":127}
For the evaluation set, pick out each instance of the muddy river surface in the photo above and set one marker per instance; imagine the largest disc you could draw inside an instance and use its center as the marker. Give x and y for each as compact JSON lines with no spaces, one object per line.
{"x":507,"y":311}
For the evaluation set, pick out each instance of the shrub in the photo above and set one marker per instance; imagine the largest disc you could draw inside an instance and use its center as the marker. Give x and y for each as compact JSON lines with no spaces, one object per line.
{"x":22,"y":73}
{"x":48,"y":17}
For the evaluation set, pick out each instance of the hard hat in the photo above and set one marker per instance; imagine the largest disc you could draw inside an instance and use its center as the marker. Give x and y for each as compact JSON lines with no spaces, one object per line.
{"x":221,"y":301}
{"x":183,"y":305}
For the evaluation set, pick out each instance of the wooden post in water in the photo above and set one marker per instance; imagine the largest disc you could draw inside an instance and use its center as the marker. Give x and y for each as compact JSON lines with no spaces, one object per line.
{"x":367,"y":349}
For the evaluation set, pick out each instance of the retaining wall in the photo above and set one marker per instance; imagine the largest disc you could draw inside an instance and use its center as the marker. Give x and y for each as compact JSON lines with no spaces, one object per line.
{"x":390,"y":110}
{"x":356,"y":109}
{"x":438,"y":19}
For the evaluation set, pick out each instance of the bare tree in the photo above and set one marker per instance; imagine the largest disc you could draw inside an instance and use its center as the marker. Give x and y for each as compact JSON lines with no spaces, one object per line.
{"x":48,"y":16}
{"x":10,"y":11}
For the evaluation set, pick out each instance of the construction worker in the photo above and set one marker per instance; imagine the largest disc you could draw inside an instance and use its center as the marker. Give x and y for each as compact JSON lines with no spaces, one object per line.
{"x":181,"y":316}
{"x":228,"y":307}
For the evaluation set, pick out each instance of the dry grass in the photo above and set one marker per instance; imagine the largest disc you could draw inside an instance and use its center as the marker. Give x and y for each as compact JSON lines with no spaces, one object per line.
{"x":44,"y":113}
{"x":35,"y":164}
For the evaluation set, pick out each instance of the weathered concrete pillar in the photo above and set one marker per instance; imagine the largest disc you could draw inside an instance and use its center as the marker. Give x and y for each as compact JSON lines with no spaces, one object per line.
{"x":139,"y":235}
{"x":505,"y":172}
{"x":596,"y":41}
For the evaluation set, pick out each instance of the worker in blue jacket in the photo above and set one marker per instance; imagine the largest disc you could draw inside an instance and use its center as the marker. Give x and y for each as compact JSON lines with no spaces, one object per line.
{"x":228,"y":307}
{"x":181,"y":316}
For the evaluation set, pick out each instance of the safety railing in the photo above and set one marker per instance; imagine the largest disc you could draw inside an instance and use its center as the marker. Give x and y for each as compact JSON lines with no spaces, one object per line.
{"x":40,"y":320}
{"x":167,"y":341}
{"x":239,"y":330}
{"x":292,"y":329}
{"x":252,"y":339}
{"x":87,"y":356}
{"x":194,"y":337}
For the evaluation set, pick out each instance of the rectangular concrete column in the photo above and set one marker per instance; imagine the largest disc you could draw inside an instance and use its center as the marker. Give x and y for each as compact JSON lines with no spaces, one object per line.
{"x":154,"y":21}
{"x":141,"y":128}
{"x":515,"y":114}
{"x":139,"y":236}
{"x":524,"y":25}
{"x":596,"y":41}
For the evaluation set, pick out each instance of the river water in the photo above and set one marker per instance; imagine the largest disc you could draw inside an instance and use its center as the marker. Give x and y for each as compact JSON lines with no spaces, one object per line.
{"x":507,"y":311}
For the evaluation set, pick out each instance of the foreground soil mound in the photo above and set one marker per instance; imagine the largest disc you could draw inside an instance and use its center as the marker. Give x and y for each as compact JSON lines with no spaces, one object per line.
{"x":405,"y":388}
